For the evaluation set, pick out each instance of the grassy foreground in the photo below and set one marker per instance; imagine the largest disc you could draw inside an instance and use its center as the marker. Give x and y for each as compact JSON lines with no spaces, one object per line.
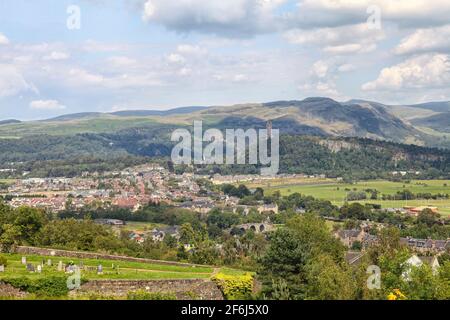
{"x":112,"y":269}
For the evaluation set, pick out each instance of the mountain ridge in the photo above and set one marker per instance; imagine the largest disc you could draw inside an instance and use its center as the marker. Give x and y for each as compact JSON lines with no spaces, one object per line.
{"x":410,"y":124}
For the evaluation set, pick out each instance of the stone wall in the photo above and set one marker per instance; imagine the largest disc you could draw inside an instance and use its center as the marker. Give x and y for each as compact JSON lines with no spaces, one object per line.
{"x":91,"y":255}
{"x":183,"y":289}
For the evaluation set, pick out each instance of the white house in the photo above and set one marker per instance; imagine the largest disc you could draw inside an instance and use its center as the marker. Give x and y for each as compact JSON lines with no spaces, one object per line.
{"x":416,"y":261}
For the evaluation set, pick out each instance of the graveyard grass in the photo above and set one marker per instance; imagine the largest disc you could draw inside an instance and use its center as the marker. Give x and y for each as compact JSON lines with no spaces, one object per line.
{"x":112,"y":269}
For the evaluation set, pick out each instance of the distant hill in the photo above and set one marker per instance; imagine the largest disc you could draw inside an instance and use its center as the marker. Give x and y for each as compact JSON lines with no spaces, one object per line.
{"x":145,"y":113}
{"x":438,"y":122}
{"x":355,"y":138}
{"x":415,"y":124}
{"x":9,"y":121}
{"x":125,"y":113}
{"x":328,"y":117}
{"x":443,"y":106}
{"x":75,"y":116}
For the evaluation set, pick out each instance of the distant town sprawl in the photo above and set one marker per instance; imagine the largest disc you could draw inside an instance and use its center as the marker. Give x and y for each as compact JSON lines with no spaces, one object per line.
{"x":131,"y":188}
{"x":134,"y":188}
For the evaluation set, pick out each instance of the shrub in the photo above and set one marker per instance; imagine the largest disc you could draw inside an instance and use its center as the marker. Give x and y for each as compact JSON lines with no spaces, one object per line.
{"x":235,"y":287}
{"x":3,"y":261}
{"x":145,"y":295}
{"x":53,"y":286}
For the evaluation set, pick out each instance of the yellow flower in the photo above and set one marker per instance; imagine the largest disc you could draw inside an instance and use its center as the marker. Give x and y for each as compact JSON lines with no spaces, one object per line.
{"x":399,"y":294}
{"x":392,"y":296}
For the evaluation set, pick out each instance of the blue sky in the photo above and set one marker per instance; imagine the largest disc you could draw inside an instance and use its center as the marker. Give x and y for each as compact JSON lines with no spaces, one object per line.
{"x":159,"y":54}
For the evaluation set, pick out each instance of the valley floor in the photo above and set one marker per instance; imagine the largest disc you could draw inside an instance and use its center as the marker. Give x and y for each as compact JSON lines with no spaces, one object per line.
{"x":336,"y":192}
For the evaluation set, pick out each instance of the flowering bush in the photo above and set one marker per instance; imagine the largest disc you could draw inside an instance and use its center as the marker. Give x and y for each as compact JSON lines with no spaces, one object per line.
{"x":235,"y":287}
{"x":396,"y":295}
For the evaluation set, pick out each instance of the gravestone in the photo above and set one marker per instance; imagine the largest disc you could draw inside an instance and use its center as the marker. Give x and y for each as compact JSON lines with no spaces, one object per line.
{"x":60,"y":266}
{"x":2,"y":268}
{"x":70,"y":269}
{"x":39,"y":268}
{"x":100,"y":269}
{"x":30,"y":267}
{"x":49,"y":262}
{"x":24,"y":260}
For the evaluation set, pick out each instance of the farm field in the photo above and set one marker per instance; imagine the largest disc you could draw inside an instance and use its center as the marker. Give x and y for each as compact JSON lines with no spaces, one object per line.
{"x":141,"y":226}
{"x":7,"y":181}
{"x":336,"y":192}
{"x":112,"y":269}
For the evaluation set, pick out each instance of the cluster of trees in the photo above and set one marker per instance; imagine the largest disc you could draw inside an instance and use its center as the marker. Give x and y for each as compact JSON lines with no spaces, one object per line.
{"x":408,"y":195}
{"x":77,"y":231}
{"x":356,"y":196}
{"x":351,"y":158}
{"x":304,"y":261}
{"x":427,"y":225}
{"x":240,"y":192}
{"x":28,"y":226}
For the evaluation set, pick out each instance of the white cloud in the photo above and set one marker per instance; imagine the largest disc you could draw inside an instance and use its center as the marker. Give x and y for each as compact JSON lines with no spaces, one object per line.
{"x":320,"y":69}
{"x":57,"y":55}
{"x":338,"y":40}
{"x":12,"y":81}
{"x":96,"y":46}
{"x":346,"y":67}
{"x":191,"y":49}
{"x":122,"y":62}
{"x":46,"y":105}
{"x":322,"y":88}
{"x":235,"y":18}
{"x":3,"y":39}
{"x":185,"y":72}
{"x":176,"y":58}
{"x":406,"y":13}
{"x":242,"y":18}
{"x":84,"y":77}
{"x":230,"y":77}
{"x":425,"y":71}
{"x":240,"y":77}
{"x":425,"y":40}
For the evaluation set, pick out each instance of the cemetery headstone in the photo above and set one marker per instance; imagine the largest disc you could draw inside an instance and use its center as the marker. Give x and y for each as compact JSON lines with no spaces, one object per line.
{"x":100,"y":269}
{"x":60,"y":266}
{"x":39,"y":268}
{"x":70,"y":269}
{"x":24,"y":260}
{"x":2,"y":268}
{"x":49,"y":262}
{"x":30,"y":267}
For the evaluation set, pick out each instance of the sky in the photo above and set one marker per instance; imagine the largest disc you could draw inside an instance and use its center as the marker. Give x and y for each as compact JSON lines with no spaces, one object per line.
{"x":59,"y":57}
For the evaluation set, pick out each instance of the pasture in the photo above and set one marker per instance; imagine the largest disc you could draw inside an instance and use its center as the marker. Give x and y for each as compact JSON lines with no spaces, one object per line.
{"x":336,"y":192}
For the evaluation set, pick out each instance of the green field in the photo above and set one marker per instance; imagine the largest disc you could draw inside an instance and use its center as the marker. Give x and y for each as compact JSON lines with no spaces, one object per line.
{"x":336,"y":192}
{"x":7,"y":181}
{"x":106,"y":123}
{"x":112,"y":269}
{"x":141,"y":226}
